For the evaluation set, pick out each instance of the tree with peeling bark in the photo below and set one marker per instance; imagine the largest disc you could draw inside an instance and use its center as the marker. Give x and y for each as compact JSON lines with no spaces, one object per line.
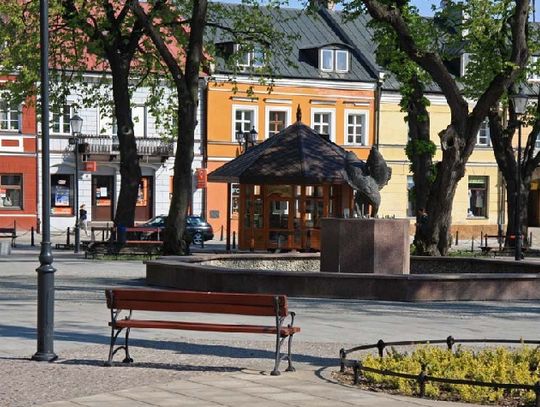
{"x":459,"y":138}
{"x":102,"y":37}
{"x":419,"y":149}
{"x":183,"y":25}
{"x":487,"y":55}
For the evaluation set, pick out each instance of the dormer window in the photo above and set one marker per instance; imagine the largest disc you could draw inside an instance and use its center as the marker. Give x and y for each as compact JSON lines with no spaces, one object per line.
{"x":253,"y":58}
{"x":334,"y":60}
{"x":534,"y":74}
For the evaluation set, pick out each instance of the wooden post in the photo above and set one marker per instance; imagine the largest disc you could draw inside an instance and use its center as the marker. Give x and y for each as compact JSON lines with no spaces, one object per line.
{"x":228,"y":215}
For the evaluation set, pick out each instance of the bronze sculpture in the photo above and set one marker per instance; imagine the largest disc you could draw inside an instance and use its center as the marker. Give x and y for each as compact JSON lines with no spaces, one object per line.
{"x":367,"y":179}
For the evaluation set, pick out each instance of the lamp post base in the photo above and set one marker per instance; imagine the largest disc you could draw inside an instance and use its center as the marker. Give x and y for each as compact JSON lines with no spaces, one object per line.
{"x":44,"y":357}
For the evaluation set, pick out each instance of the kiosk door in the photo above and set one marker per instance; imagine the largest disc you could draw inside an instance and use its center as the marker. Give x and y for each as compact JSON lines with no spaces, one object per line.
{"x":280,"y":223}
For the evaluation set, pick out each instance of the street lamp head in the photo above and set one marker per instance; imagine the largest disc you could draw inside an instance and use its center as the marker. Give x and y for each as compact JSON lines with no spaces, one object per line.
{"x":253,"y":135}
{"x":76,"y":124}
{"x":519,"y":100}
{"x":239,"y":137}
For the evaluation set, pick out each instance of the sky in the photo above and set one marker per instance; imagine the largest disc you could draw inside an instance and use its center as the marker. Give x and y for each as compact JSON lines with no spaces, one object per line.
{"x":424,"y":6}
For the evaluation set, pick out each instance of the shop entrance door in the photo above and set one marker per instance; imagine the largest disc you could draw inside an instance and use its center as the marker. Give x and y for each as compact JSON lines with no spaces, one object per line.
{"x":143,"y":209}
{"x":102,"y":197}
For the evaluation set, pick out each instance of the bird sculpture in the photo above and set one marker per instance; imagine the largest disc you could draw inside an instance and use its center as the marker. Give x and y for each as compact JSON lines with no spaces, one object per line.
{"x":367,"y":179}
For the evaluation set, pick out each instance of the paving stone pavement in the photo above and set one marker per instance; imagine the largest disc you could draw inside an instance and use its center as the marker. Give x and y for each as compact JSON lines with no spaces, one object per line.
{"x":248,"y":389}
{"x":207,"y":369}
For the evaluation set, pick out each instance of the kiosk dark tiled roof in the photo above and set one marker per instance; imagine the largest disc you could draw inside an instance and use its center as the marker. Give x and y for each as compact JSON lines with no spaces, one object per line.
{"x":297,"y":155}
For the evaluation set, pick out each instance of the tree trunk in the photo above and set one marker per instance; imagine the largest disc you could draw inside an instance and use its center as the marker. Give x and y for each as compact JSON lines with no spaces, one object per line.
{"x":175,"y":241}
{"x":421,"y":161}
{"x":130,"y":171}
{"x":450,"y":170}
{"x":187,"y":88}
{"x":501,"y":140}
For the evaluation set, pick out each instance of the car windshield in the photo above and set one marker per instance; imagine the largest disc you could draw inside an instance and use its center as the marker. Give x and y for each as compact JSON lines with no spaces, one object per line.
{"x":157,"y":221}
{"x":193,"y":220}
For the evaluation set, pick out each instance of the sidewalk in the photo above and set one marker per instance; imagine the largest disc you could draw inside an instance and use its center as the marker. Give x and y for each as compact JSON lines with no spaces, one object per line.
{"x":249,"y":389}
{"x":209,"y":369}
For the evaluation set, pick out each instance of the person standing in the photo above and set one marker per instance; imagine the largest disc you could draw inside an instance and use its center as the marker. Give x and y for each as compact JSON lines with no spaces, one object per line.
{"x":83,"y":219}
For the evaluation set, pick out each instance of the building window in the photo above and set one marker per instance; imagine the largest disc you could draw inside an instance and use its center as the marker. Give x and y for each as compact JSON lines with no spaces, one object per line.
{"x":244,"y":119}
{"x":534,"y":74}
{"x":356,"y":128}
{"x":334,"y":60}
{"x":62,"y":194}
{"x":235,"y":199}
{"x":323,"y":122}
{"x":411,"y":206}
{"x":342,"y":61}
{"x":138,"y":116}
{"x":107,"y":124}
{"x":277,"y":119}
{"x":327,"y":60}
{"x":60,"y":120}
{"x":253,"y":58}
{"x":9,"y":116}
{"x":478,"y":187}
{"x":483,"y":137}
{"x":10,"y":191}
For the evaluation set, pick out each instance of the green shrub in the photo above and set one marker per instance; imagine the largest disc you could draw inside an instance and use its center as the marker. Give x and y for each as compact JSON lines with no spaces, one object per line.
{"x":500,"y":364}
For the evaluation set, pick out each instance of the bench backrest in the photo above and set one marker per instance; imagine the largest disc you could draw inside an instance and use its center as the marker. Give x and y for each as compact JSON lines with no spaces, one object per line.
{"x":193,"y":301}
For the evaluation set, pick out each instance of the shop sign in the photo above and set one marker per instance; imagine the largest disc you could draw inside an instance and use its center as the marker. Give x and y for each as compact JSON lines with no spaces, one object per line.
{"x":201,"y":178}
{"x":90,"y":166}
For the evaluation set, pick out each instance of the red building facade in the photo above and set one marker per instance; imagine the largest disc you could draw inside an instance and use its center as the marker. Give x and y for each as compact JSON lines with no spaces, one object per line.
{"x":18,"y":165}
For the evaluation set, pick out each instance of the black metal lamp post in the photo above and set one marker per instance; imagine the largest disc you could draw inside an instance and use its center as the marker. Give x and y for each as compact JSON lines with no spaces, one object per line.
{"x":45,"y":294}
{"x":519,"y":101}
{"x":76,"y":127}
{"x":247,"y":139}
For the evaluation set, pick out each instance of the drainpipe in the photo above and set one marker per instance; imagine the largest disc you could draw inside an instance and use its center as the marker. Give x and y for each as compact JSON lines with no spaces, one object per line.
{"x":378,"y":107}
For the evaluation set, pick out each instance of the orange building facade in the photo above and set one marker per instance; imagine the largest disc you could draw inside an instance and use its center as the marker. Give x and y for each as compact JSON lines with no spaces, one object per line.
{"x":18,"y":165}
{"x":345,"y":111}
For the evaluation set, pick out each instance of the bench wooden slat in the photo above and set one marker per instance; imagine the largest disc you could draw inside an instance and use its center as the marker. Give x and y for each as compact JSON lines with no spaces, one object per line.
{"x":195,"y":307}
{"x":198,"y":326}
{"x":189,"y":301}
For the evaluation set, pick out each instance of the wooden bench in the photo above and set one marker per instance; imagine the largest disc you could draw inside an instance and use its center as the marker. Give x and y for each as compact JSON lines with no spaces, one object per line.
{"x":9,"y":233}
{"x":200,"y":302}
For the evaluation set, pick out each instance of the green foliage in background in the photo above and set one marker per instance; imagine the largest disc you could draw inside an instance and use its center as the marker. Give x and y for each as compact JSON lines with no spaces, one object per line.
{"x":500,"y":364}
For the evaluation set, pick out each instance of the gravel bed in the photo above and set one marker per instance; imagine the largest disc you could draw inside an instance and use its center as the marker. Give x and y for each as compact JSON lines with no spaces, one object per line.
{"x":80,"y":372}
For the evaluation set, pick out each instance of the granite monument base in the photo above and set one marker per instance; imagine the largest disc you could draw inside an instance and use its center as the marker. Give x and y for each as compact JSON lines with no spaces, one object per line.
{"x":378,"y":246}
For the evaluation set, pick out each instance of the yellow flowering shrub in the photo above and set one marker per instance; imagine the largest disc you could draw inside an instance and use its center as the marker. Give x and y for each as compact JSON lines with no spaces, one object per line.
{"x":494,"y":364}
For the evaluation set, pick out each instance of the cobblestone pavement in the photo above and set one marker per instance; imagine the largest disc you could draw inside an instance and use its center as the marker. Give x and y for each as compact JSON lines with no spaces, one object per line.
{"x":195,"y":368}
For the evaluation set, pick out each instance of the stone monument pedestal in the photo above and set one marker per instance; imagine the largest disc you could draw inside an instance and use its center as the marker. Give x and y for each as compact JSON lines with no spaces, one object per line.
{"x":379,"y":246}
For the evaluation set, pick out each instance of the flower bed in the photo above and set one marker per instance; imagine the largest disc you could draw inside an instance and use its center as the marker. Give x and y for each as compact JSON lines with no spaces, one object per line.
{"x":500,"y":375}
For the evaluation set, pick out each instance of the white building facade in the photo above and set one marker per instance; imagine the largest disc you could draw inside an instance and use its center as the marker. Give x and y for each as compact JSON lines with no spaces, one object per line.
{"x":99,"y":180}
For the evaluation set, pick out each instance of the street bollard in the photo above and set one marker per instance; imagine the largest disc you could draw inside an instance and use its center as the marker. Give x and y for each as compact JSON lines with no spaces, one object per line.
{"x":457,"y":237}
{"x":221,"y":234}
{"x":67,"y":237}
{"x":472,"y":244}
{"x":234,"y":240}
{"x":32,"y":243}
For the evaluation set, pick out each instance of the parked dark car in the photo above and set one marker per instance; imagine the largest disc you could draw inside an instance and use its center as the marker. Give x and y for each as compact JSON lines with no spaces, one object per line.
{"x":196,"y":227}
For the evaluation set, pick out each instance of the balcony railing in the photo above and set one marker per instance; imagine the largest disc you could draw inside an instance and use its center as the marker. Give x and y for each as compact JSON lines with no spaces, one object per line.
{"x":110,"y":145}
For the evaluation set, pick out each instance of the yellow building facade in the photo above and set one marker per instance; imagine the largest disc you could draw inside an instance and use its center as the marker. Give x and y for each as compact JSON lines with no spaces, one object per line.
{"x":474,"y":211}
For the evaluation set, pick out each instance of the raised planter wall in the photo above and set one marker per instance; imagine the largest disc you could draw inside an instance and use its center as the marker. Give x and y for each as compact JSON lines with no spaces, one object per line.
{"x":193,"y":273}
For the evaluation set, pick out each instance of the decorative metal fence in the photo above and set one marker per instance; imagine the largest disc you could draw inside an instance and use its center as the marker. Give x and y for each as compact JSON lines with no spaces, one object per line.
{"x":422,"y":377}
